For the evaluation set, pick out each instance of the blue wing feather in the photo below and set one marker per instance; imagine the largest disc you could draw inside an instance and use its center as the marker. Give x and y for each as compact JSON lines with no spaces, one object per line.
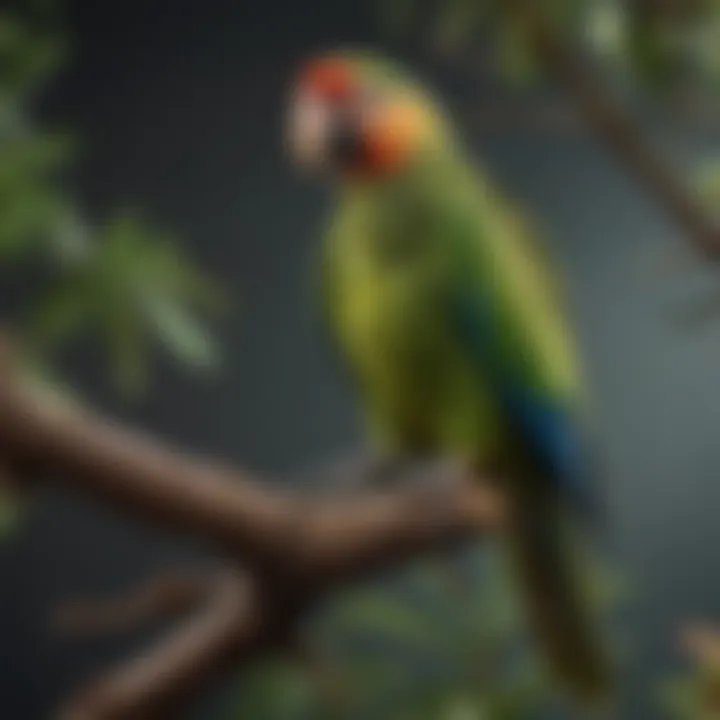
{"x":548,"y":428}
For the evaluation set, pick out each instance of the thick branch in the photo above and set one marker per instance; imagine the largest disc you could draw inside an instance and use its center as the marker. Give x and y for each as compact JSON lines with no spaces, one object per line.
{"x":617,"y":130}
{"x":342,"y":541}
{"x":336,"y":543}
{"x":132,"y":473}
{"x":135,"y":474}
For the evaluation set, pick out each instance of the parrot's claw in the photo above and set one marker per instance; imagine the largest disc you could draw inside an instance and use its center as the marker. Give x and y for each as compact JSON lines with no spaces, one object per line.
{"x":440,"y":473}
{"x":362,"y":472}
{"x":358,"y":472}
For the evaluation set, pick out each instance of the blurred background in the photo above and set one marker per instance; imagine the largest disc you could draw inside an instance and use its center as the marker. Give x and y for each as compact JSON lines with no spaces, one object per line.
{"x":175,"y":111}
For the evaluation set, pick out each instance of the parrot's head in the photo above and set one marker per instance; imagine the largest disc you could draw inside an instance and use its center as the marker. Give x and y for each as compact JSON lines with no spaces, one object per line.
{"x":360,"y":116}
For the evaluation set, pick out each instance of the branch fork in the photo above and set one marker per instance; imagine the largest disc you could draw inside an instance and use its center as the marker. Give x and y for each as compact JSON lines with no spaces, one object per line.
{"x":282,"y":553}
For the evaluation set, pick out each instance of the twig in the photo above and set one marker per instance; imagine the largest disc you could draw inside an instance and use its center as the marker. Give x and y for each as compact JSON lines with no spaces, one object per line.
{"x":157,"y":684}
{"x":165,"y":596}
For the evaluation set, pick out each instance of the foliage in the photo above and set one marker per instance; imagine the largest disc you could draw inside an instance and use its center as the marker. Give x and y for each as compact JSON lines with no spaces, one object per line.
{"x":696,"y":696}
{"x":438,"y":642}
{"x":657,"y":44}
{"x":120,"y":281}
{"x":693,"y":697}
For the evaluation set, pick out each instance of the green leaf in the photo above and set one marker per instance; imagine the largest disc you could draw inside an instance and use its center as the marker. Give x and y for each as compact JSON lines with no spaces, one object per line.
{"x":182,"y":335}
{"x":146,"y":292}
{"x":125,"y":284}
{"x":128,"y":347}
{"x":683,"y":699}
{"x":274,"y":690}
{"x":32,"y":48}
{"x":70,"y":238}
{"x":606,"y":28}
{"x":381,"y":614}
{"x":59,"y":316}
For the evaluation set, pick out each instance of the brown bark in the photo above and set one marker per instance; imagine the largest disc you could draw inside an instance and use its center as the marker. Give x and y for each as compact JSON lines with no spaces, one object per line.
{"x":283,"y":552}
{"x":164,"y":596}
{"x":158,"y":683}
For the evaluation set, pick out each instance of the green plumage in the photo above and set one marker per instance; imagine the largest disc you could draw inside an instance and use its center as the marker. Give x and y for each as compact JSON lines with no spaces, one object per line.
{"x":395,"y":255}
{"x":446,"y":311}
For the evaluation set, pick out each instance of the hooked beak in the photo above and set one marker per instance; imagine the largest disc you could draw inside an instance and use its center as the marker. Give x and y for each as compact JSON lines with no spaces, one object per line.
{"x":361,"y":140}
{"x":307,"y":130}
{"x":321,"y":137}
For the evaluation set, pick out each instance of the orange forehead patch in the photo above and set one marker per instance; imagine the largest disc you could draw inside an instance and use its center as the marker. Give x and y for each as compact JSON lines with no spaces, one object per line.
{"x":333,"y":79}
{"x":394,"y":136}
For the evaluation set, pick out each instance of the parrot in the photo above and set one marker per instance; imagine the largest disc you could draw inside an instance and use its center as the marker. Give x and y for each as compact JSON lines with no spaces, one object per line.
{"x":443,"y":306}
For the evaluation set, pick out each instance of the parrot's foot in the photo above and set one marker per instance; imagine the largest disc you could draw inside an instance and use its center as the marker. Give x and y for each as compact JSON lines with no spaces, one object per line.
{"x":363,"y":472}
{"x":432,"y":474}
{"x":359,"y":472}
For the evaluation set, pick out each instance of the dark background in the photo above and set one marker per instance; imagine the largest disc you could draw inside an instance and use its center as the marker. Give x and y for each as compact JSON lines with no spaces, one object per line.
{"x":179,"y":108}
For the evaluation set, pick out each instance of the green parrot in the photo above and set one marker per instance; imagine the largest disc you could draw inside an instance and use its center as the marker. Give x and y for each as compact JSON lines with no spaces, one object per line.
{"x":453,"y":327}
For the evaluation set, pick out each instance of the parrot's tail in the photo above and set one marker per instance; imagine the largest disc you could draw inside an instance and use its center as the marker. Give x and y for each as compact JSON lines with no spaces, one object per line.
{"x":558,"y":611}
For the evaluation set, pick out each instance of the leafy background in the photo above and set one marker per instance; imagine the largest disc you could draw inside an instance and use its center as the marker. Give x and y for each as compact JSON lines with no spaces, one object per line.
{"x":176,"y":113}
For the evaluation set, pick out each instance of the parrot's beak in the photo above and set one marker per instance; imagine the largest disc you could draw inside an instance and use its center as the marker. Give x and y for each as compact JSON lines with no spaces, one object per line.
{"x":323,"y":137}
{"x":307,"y":131}
{"x":358,"y":139}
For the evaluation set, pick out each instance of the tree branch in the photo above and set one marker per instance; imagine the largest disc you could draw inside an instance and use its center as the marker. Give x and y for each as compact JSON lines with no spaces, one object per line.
{"x":294,"y":549}
{"x":164,"y":596}
{"x":134,"y":474}
{"x":158,"y":683}
{"x":617,"y":130}
{"x":340,"y":542}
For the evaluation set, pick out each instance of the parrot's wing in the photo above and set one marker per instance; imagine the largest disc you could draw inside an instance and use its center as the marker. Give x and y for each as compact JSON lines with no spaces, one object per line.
{"x":510,"y":323}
